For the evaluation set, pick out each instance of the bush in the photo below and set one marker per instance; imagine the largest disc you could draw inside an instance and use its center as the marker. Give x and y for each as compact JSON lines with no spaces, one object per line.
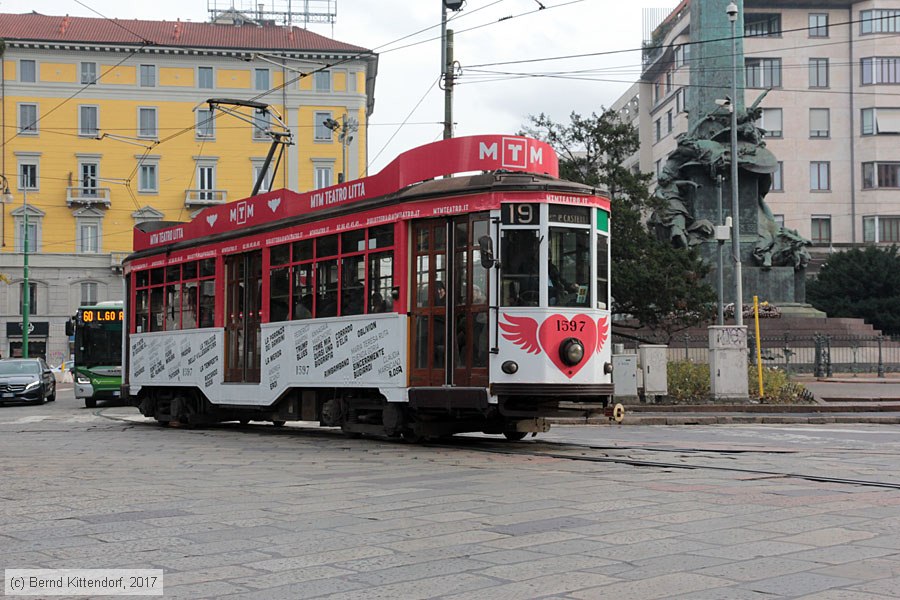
{"x":689,"y":382}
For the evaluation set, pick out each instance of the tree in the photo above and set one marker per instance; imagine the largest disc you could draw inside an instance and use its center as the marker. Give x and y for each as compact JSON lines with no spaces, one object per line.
{"x":658,"y":286}
{"x":861,"y":283}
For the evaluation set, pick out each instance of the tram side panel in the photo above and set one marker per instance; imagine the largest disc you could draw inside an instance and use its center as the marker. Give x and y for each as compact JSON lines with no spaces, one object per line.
{"x":367,"y":351}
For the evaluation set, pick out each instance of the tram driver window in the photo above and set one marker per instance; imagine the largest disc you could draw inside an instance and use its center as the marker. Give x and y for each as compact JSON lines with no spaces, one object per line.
{"x":569,"y":268}
{"x":520,"y":278}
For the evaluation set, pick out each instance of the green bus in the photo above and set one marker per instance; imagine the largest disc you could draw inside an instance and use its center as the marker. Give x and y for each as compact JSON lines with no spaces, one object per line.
{"x":98,"y":352}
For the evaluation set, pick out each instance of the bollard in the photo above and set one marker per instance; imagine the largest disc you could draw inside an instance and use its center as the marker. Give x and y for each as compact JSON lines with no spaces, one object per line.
{"x":787,"y":355}
{"x":880,"y":361}
{"x":687,"y":355}
{"x":818,"y":370}
{"x":828,"y":371}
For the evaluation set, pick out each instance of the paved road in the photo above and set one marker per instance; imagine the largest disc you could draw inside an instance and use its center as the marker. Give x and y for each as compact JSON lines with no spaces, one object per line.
{"x":255,"y":512}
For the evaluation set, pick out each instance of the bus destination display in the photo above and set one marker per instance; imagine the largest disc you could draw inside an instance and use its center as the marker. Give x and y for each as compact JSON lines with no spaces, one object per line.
{"x":101,"y":315}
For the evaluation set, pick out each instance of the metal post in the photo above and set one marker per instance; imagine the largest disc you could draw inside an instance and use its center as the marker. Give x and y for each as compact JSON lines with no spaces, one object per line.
{"x":720,"y":261}
{"x":26,"y":290}
{"x":448,"y":87}
{"x":344,"y":138}
{"x":735,"y":188}
{"x":687,"y":340}
{"x":828,"y":371}
{"x":880,"y":361}
{"x":818,"y":370}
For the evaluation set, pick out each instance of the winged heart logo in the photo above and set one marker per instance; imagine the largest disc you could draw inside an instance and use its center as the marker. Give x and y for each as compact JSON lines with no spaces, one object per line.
{"x":549,"y":335}
{"x":274,"y":203}
{"x":211,"y":219}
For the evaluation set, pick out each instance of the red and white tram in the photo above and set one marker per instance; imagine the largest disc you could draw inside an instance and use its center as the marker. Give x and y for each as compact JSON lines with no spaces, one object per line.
{"x":404,"y":303}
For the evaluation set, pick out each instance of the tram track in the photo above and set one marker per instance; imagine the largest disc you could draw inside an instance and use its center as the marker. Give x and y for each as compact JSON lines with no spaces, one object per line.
{"x":557,"y":451}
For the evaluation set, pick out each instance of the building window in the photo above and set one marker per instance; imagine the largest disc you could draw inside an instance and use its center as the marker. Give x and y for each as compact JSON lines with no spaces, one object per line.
{"x":32,"y":298}
{"x":28,"y":175}
{"x":28,"y":118}
{"x":88,"y":121}
{"x":206,"y":124}
{"x":763,"y":72}
{"x":148,"y":179}
{"x":880,"y":121}
{"x":778,"y":178}
{"x":88,"y":235}
{"x":880,"y":69}
{"x":205,"y":78}
{"x":818,"y":72}
{"x":879,"y":21}
{"x":35,"y":220}
{"x":88,"y":73}
{"x":779,"y":220}
{"x":821,"y":229}
{"x":771,"y":121}
{"x":670,"y":124}
{"x":351,"y":81}
{"x":148,"y":75}
{"x":90,"y":172}
{"x":818,"y":25}
{"x":261,"y":79}
{"x":877,"y":175}
{"x":658,"y":168}
{"x":262,"y":122}
{"x":257,"y":169}
{"x":819,"y":176}
{"x":680,"y":100}
{"x":27,"y":71}
{"x":819,"y":122}
{"x":147,"y":122}
{"x":322,"y":81}
{"x":324,"y":176}
{"x":206,"y":182}
{"x":657,"y":130}
{"x":322,"y":132}
{"x":881,"y":229}
{"x":762,"y":25}
{"x":88,"y":293}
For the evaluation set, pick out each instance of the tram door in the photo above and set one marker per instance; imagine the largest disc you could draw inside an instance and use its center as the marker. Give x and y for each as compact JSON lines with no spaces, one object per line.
{"x":450,"y":307}
{"x":243,"y":305}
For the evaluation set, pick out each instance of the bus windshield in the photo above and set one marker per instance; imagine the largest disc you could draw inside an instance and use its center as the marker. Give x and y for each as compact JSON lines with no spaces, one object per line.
{"x":98,"y":344}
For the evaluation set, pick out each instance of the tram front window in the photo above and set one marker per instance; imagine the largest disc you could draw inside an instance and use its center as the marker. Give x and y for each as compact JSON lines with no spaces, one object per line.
{"x":520,"y":279}
{"x":569,"y":268}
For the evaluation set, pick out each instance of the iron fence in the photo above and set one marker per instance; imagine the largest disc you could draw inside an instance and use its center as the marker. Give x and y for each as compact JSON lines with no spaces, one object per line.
{"x":815,"y":354}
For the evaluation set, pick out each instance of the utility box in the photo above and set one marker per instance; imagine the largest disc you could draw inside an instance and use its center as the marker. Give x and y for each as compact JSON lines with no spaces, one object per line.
{"x":728,"y":363}
{"x":624,"y":376}
{"x":654,"y":363}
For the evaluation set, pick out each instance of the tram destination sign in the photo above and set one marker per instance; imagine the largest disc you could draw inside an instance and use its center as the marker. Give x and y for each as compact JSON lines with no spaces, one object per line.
{"x":100,"y":315}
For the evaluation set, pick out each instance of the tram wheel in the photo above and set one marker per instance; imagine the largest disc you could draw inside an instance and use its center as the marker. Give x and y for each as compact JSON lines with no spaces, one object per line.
{"x":411,"y":437}
{"x":515,"y":436}
{"x":278,"y":423}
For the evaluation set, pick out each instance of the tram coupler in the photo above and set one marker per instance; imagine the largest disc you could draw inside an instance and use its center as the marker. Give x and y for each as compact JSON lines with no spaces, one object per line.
{"x":616,"y":413}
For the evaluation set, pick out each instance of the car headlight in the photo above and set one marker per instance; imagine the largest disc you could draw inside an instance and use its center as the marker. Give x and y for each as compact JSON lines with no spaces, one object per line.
{"x":32,"y":386}
{"x":571,"y":351}
{"x":82,"y":380}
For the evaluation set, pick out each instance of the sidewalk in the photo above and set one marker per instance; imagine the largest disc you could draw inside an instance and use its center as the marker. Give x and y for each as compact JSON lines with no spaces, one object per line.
{"x":862,"y":399}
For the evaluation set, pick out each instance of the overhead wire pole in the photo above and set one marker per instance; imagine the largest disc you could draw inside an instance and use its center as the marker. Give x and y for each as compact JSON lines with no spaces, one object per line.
{"x":732,"y":12}
{"x":447,"y":64}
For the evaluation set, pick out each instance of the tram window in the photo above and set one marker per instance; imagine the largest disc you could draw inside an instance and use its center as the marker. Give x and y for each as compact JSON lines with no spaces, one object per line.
{"x":189,"y":302}
{"x":279,"y":293}
{"x":157,"y":276}
{"x":327,"y":246}
{"x":142,"y":310}
{"x":381,"y":237}
{"x":520,"y":276}
{"x":381,"y":282}
{"x":327,"y":288}
{"x":353,"y":288}
{"x":280,"y":255}
{"x":353,"y":241}
{"x":189,"y":270}
{"x":423,"y":240}
{"x":173,"y":306}
{"x":173,"y":273}
{"x":207,"y":302}
{"x":208,"y":267}
{"x":156,"y":309}
{"x":602,"y":271}
{"x":303,"y":250}
{"x":569,"y":268}
{"x":142,"y":278}
{"x":303,"y":291}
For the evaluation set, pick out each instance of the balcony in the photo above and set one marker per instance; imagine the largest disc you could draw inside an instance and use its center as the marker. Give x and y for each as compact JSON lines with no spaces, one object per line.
{"x":87,"y":196}
{"x":198,"y":198}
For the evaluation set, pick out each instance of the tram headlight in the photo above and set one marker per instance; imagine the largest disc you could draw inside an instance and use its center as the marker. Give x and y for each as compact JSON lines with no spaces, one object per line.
{"x":571,"y":351}
{"x":510,"y":367}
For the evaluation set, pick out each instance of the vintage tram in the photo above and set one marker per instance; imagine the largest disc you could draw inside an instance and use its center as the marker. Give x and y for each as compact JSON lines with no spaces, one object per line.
{"x":409,"y":303}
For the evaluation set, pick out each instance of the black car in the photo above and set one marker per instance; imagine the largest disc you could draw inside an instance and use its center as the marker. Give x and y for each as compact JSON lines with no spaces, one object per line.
{"x":26,"y":380}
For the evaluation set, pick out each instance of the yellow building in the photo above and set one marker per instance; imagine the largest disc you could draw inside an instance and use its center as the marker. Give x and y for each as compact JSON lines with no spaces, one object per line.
{"x":105,"y":125}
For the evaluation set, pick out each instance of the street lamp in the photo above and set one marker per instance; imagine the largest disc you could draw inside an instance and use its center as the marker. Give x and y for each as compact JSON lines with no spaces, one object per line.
{"x":732,"y":11}
{"x":26,"y":290}
{"x":345,"y":130}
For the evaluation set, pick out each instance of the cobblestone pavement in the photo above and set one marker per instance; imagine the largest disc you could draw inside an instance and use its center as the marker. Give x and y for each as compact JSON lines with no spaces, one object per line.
{"x":254,"y":512}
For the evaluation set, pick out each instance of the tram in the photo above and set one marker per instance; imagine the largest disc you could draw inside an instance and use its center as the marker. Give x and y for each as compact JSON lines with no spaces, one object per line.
{"x":463,"y":288}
